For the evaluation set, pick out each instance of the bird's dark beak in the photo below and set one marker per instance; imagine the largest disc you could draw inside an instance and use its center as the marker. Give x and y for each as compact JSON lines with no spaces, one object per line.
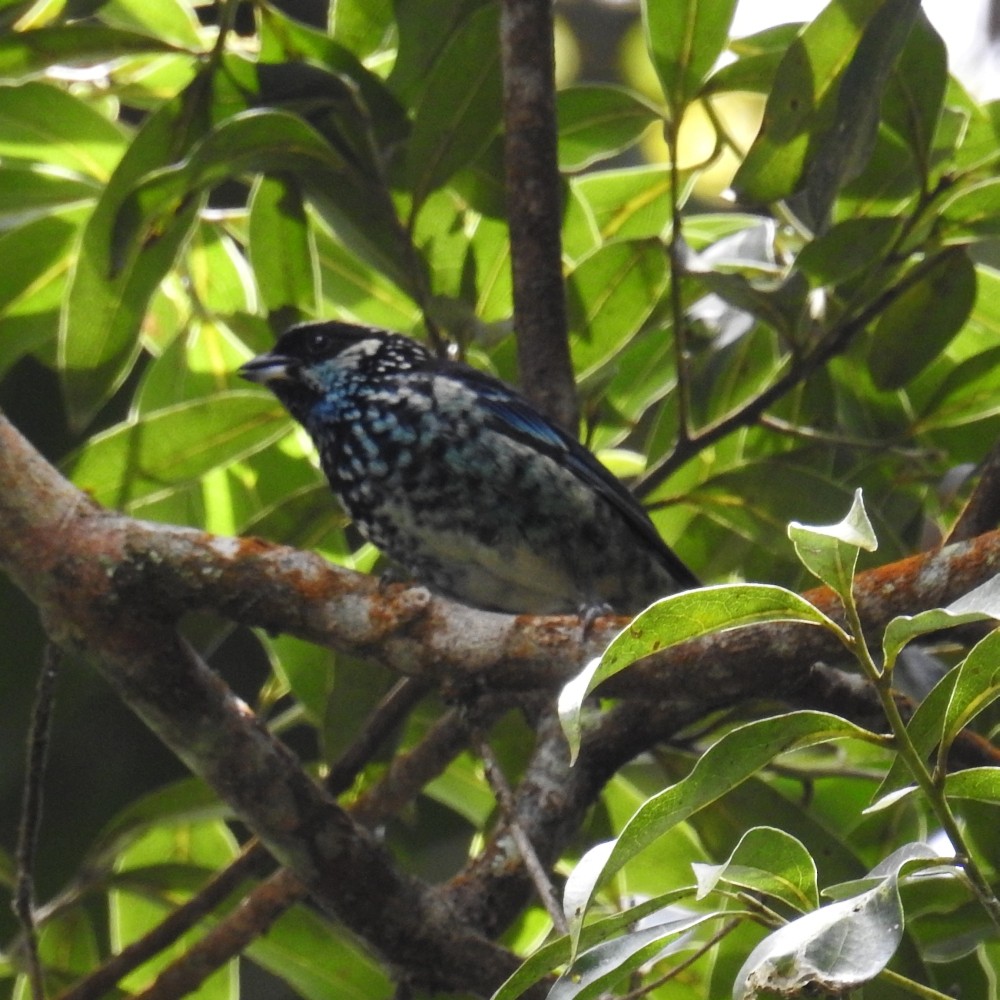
{"x":269,"y":367}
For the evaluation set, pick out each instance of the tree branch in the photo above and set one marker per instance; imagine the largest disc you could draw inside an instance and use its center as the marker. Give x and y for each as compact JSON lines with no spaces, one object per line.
{"x":534,"y":208}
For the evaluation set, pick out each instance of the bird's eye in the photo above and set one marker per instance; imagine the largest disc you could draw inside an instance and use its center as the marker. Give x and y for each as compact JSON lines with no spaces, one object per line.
{"x":318,"y":342}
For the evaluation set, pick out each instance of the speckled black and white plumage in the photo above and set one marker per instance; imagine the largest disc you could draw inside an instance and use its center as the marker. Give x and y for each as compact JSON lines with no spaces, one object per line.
{"x":461,"y":481}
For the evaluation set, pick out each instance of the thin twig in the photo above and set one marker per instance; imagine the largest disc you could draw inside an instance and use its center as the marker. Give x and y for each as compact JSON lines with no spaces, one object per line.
{"x":228,"y":938}
{"x":177,"y":923}
{"x":676,"y":970}
{"x":387,"y":715}
{"x":508,"y":807}
{"x":836,"y":341}
{"x":23,"y":902}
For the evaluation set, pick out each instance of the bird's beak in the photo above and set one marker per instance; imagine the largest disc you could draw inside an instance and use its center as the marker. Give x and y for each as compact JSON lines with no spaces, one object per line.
{"x":269,"y":367}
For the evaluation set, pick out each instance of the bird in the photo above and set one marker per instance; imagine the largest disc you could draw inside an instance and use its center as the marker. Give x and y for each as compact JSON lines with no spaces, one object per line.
{"x":461,"y":482}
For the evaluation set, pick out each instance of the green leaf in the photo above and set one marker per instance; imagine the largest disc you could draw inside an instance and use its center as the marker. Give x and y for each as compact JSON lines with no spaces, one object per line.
{"x":913,"y":96}
{"x":831,"y":552}
{"x":979,"y":783}
{"x":626,"y":204}
{"x":67,"y":946}
{"x":803,"y":102}
{"x":42,"y":123}
{"x":307,"y":670}
{"x":981,"y":603}
{"x":179,"y":803}
{"x":956,"y":698}
{"x":265,"y":141}
{"x":206,"y":845}
{"x":916,"y":327}
{"x":31,"y":190}
{"x":973,"y":211}
{"x":425,"y":28}
{"x":758,"y":58}
{"x":970,"y":392}
{"x":362,"y":26}
{"x":553,"y":954}
{"x":357,"y":291}
{"x":685,"y":38}
{"x":677,"y":619}
{"x":105,"y":305}
{"x":766,"y":861}
{"x":289,"y":278}
{"x":841,"y":154}
{"x":459,"y":110}
{"x":597,"y":122}
{"x":848,"y":248}
{"x":171,"y":20}
{"x":837,"y":948}
{"x":976,"y":687}
{"x":37,"y":258}
{"x":176,"y":444}
{"x":28,"y":52}
{"x":317,"y":959}
{"x":609,"y":296}
{"x":730,"y":761}
{"x":595,"y":972}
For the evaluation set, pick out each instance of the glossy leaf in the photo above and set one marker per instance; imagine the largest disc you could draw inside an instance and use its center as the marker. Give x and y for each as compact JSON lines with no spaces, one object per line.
{"x":43,"y":124}
{"x":459,"y":110}
{"x":597,"y":122}
{"x":803,"y":102}
{"x":979,"y":783}
{"x":837,"y":948}
{"x":133,"y":912}
{"x":288,"y":278}
{"x":425,"y":28}
{"x":596,"y":971}
{"x":844,"y":150}
{"x":976,"y":687}
{"x":979,"y":604}
{"x":609,"y":296}
{"x":107,"y":298}
{"x":847,"y":249}
{"x":685,"y":38}
{"x":831,"y":552}
{"x":176,"y":444}
{"x":730,"y":761}
{"x":556,"y":953}
{"x":25,"y":52}
{"x":627,"y":204}
{"x":973,"y":211}
{"x":267,"y":141}
{"x":913,"y":96}
{"x":317,"y":960}
{"x":766,"y":861}
{"x":37,"y":257}
{"x":68,"y":947}
{"x":179,"y":803}
{"x":171,"y":20}
{"x":758,"y":57}
{"x":680,"y":618}
{"x":919,"y":324}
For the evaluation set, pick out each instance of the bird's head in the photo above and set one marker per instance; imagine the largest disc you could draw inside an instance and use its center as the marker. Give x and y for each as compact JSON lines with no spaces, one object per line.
{"x":312,"y":360}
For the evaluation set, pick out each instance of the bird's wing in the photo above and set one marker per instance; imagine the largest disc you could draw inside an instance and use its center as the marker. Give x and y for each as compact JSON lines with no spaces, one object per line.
{"x":514,"y":416}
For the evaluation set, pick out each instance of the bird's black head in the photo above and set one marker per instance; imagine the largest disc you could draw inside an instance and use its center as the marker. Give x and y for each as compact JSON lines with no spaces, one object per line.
{"x":312,"y":360}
